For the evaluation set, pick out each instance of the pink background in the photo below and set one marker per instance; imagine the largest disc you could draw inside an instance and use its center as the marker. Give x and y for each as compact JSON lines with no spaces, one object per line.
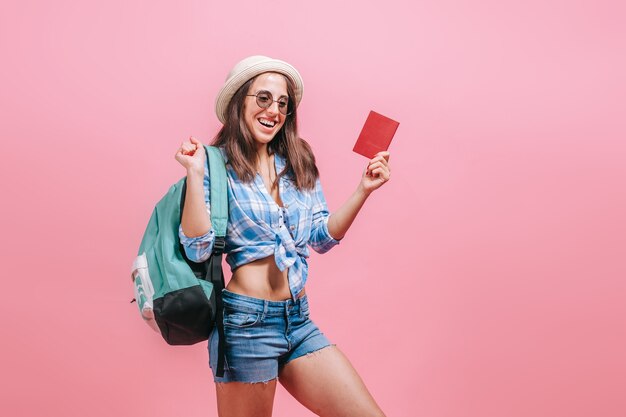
{"x":486,"y":279}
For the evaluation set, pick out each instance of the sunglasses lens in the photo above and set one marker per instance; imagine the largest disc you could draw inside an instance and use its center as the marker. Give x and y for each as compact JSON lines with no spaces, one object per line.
{"x":283,"y":105}
{"x":264,"y":100}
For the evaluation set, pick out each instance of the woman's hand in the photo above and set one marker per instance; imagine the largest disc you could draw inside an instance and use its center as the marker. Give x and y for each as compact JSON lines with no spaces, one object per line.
{"x":377,"y":172}
{"x":192,"y":156}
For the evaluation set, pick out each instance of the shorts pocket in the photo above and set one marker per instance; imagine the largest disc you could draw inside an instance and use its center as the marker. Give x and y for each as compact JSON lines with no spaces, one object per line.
{"x":239,"y":319}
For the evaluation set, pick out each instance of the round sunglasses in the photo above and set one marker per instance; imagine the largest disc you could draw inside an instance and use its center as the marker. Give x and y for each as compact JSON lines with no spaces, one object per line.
{"x":264,"y":99}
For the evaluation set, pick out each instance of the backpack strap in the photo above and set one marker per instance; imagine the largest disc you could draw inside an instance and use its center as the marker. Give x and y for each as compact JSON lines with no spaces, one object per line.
{"x":219,"y":191}
{"x":219,"y":222}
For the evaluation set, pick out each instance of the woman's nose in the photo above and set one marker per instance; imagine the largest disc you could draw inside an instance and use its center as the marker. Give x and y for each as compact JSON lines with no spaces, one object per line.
{"x":273,"y":108}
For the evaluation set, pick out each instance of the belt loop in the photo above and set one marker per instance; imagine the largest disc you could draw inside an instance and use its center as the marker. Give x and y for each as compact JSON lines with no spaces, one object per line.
{"x":265,"y":305}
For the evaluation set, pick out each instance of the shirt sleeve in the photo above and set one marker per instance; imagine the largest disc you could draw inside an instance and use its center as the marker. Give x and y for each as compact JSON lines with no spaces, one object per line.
{"x":320,"y":240}
{"x":198,"y":249}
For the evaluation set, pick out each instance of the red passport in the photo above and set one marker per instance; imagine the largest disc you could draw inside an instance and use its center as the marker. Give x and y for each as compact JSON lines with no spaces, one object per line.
{"x":376,"y":135}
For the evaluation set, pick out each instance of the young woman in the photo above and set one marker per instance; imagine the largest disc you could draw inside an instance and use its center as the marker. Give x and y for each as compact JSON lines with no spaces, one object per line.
{"x":276,"y":208}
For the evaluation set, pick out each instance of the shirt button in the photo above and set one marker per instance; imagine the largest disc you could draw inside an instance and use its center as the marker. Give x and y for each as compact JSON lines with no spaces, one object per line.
{"x":292,"y":227}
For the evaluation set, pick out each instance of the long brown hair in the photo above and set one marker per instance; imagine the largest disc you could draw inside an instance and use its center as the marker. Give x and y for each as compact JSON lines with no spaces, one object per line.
{"x":240,"y":148}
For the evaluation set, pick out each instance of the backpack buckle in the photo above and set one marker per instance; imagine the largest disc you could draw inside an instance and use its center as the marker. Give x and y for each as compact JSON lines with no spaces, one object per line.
{"x":219,"y":245}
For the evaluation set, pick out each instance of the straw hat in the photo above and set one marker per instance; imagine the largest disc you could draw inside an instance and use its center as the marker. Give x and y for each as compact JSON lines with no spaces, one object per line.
{"x":249,"y":68}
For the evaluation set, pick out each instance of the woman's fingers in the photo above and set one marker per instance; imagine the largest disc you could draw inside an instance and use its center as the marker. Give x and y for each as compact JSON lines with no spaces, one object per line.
{"x":377,"y":159}
{"x":189,"y":147}
{"x":381,"y":174}
{"x":381,"y":160}
{"x":383,"y":154}
{"x":382,"y":157}
{"x":376,"y":172}
{"x":376,"y":165}
{"x":187,"y":154}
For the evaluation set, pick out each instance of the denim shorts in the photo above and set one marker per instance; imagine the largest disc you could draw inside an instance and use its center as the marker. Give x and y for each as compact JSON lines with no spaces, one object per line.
{"x":262,"y":336}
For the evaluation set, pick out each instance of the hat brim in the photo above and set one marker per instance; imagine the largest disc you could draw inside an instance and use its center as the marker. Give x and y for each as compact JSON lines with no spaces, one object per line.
{"x":234,"y":82}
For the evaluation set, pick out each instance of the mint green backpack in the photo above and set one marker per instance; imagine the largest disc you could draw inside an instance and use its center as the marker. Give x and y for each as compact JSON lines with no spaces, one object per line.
{"x":179,"y":298}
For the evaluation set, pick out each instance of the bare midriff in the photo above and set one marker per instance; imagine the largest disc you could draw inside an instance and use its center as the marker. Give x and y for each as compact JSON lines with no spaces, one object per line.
{"x":261,"y":279}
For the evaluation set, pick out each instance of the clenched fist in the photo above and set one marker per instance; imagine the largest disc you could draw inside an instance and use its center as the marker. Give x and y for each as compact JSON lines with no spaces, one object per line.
{"x":192,"y":156}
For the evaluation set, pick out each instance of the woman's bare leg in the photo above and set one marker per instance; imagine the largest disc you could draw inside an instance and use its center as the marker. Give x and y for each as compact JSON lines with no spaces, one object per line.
{"x":326,"y":383}
{"x":238,"y":399}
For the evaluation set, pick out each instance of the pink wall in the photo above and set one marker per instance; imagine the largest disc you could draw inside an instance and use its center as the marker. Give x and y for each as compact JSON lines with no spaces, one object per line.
{"x":484,"y":280}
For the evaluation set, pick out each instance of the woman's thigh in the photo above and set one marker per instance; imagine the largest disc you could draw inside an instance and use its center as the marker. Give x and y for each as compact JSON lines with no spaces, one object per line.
{"x":327,"y":384}
{"x":240,"y":399}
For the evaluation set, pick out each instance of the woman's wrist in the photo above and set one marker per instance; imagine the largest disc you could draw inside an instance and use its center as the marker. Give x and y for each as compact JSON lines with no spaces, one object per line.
{"x":195,"y":173}
{"x":361,"y":192}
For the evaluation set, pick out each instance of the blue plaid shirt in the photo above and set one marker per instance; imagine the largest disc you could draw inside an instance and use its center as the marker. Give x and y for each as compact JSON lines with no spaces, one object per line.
{"x":258,"y":227}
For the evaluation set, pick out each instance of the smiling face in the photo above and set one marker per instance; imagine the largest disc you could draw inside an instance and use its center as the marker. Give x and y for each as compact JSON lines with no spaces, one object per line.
{"x":265,"y":123}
